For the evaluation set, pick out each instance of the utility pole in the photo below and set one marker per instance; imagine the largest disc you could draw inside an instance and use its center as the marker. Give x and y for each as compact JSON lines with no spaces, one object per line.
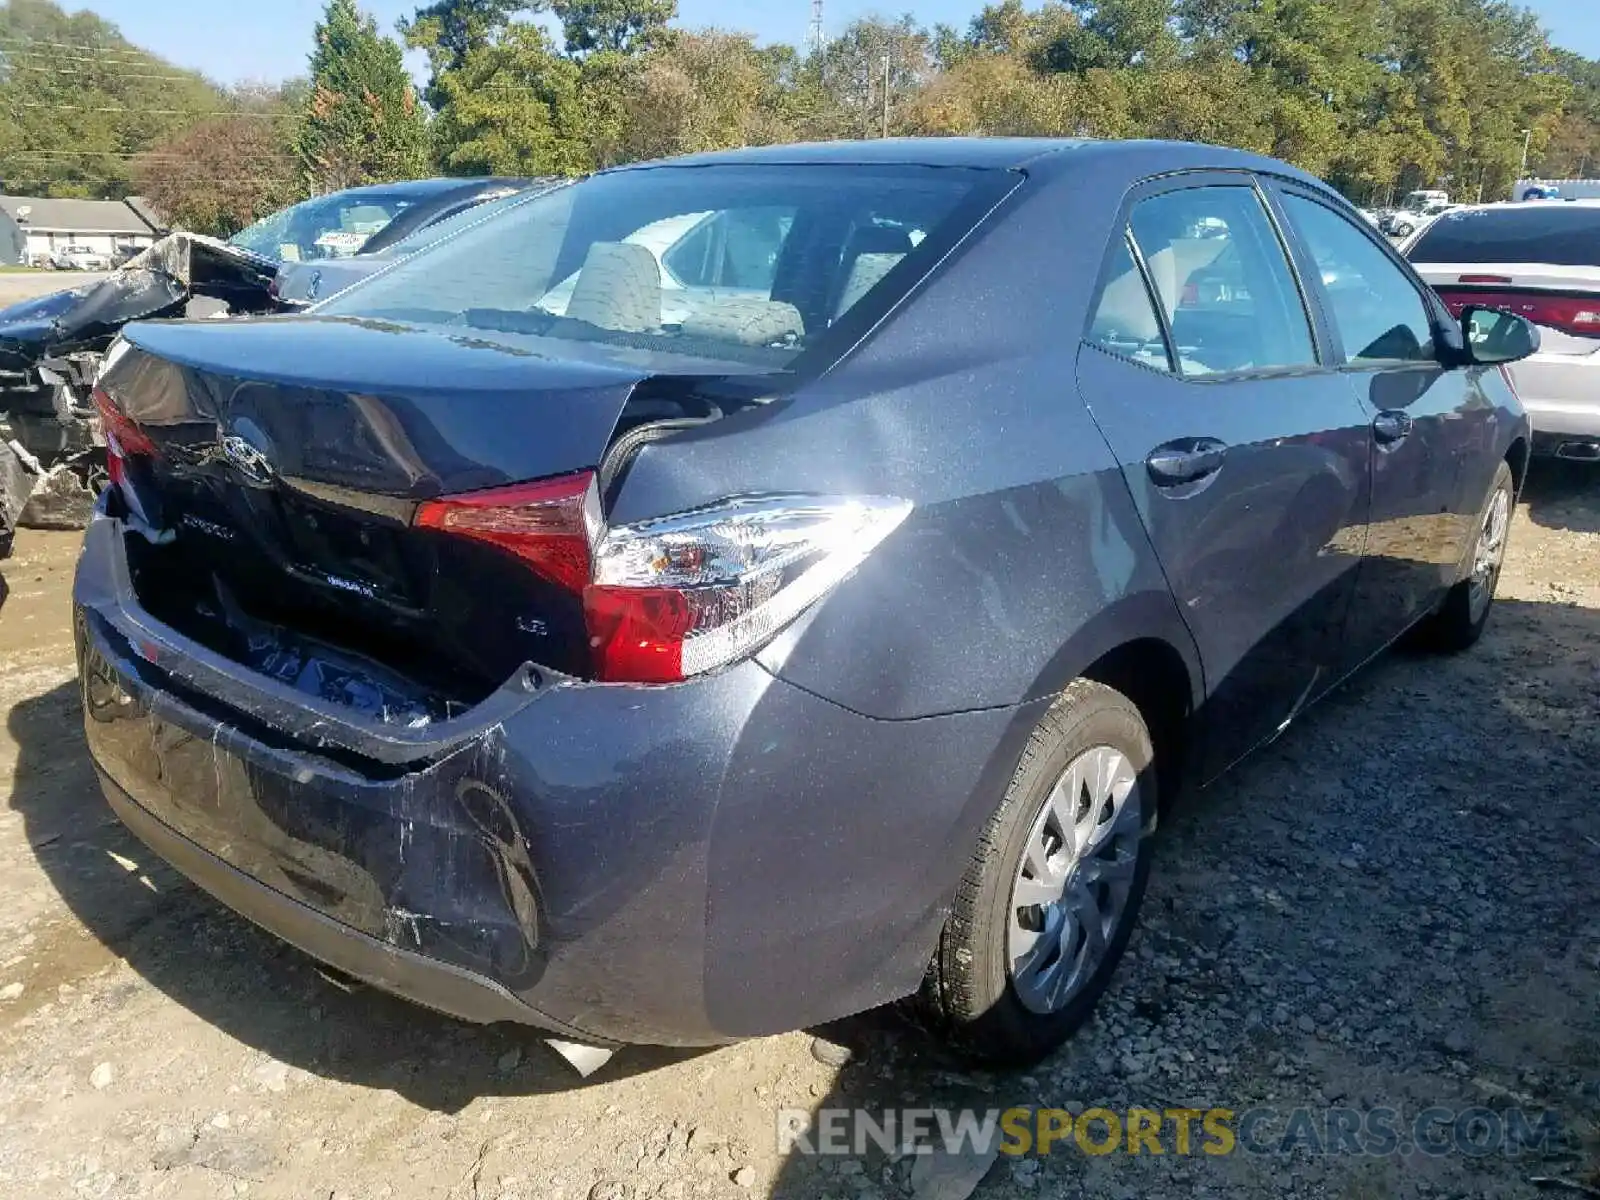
{"x":885,"y":95}
{"x":1527,"y":137}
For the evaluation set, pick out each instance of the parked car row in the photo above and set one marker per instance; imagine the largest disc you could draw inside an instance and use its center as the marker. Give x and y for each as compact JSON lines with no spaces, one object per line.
{"x":1542,"y":262}
{"x":1539,"y":257}
{"x":1415,"y":211}
{"x":721,"y":595}
{"x":74,"y":258}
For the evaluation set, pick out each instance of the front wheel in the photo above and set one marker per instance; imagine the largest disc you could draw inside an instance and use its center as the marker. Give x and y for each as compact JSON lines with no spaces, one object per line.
{"x":1051,"y":895}
{"x":1460,"y":621}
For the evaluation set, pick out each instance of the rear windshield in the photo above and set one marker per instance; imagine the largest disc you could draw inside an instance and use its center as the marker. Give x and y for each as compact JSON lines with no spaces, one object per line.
{"x":750,"y":263}
{"x":1543,"y":232}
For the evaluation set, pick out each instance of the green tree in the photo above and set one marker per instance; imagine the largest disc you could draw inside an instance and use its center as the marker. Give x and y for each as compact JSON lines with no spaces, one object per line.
{"x":623,"y":26}
{"x":79,"y":102}
{"x":1113,"y":34}
{"x":874,"y":68}
{"x":1375,"y":95}
{"x":708,"y":90}
{"x":1572,"y":150}
{"x":448,"y":30}
{"x":363,"y":123}
{"x":513,"y":107}
{"x":224,"y":172}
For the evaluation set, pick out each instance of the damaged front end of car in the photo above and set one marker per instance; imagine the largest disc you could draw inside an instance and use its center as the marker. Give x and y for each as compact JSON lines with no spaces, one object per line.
{"x":50,"y":353}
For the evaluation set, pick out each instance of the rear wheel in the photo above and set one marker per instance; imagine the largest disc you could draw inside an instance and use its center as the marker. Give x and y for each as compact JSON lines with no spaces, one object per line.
{"x":1459,"y":623}
{"x":1051,"y":895}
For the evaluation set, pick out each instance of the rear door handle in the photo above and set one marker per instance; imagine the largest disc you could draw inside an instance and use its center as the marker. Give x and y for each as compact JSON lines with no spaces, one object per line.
{"x":1391,"y":426}
{"x":1186,"y":460}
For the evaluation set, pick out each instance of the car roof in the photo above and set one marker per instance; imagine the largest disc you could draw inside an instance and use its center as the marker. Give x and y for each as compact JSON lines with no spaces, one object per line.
{"x":429,"y":187}
{"x":1001,"y":153}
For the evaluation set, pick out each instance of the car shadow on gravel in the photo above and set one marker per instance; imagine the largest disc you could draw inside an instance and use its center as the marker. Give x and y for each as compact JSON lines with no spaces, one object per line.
{"x":243,"y":981}
{"x":1563,"y":495}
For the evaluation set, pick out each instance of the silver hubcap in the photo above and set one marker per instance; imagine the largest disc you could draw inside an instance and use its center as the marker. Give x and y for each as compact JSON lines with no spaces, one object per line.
{"x":1072,"y":885}
{"x":1491,"y":552}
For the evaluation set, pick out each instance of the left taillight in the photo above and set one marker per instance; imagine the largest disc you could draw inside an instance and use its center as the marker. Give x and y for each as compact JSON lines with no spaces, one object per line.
{"x":677,"y":596}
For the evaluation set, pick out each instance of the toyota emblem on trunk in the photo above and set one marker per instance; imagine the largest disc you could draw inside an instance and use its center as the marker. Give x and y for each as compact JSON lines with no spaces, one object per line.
{"x":246,"y":459}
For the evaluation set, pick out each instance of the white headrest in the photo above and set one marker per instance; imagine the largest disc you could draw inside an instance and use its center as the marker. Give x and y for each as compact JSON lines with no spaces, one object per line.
{"x":618,"y":288}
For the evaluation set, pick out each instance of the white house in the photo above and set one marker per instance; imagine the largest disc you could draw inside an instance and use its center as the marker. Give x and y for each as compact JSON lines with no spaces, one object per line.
{"x":105,"y":226}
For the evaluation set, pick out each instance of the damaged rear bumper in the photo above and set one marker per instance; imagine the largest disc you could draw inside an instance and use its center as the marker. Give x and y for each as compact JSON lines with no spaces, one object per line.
{"x":685,"y":865}
{"x":427,"y":981}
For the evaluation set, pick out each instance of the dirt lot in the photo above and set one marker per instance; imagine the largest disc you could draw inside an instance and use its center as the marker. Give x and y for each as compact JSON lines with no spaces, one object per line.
{"x":24,"y":285}
{"x":1393,"y":905}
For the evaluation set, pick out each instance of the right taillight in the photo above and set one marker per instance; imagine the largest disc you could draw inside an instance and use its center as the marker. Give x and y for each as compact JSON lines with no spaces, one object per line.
{"x":676,"y":596}
{"x":681,"y":595}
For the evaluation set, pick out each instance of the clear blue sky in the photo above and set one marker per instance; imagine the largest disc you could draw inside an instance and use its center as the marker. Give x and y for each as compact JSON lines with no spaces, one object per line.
{"x":270,"y":39}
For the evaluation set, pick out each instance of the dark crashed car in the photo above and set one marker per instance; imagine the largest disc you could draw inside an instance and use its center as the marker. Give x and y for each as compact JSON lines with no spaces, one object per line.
{"x":436,"y":214}
{"x":542,"y":659}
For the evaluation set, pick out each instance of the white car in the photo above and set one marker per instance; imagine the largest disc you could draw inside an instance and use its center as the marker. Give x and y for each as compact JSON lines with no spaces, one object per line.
{"x":1542,"y":262}
{"x":1405,"y":222}
{"x":661,"y":238}
{"x":80,"y":258}
{"x":721,"y":266}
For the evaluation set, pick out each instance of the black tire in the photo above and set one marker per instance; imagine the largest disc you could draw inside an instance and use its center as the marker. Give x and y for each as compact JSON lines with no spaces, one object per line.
{"x":1459,"y":623}
{"x":968,"y":994}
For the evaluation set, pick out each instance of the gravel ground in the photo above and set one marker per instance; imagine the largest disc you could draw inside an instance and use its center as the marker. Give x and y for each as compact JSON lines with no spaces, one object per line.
{"x":1393,"y":905}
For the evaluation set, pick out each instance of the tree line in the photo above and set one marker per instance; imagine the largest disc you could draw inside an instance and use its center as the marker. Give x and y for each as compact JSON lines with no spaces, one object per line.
{"x":1377,"y":96}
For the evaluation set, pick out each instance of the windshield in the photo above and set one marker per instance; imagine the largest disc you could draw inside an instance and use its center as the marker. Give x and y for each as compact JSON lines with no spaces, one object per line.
{"x":752,"y":263}
{"x":1556,"y":234}
{"x":334,"y":226}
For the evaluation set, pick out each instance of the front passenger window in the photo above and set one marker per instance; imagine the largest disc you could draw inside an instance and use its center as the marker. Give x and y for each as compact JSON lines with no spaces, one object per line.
{"x":1379,"y":314}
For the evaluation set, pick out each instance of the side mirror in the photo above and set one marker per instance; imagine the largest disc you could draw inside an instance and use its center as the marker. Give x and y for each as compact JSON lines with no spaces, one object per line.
{"x":1492,"y":336}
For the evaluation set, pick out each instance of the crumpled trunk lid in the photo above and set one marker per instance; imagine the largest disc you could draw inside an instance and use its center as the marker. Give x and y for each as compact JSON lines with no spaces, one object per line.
{"x":277,"y":468}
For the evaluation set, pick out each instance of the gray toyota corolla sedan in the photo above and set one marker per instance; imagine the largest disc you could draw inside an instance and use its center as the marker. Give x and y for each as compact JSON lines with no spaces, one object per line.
{"x":730,"y":593}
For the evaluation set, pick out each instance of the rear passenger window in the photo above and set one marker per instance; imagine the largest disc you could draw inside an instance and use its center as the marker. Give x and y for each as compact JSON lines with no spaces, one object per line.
{"x":1220,"y":274}
{"x":1125,"y":320}
{"x":1379,"y":314}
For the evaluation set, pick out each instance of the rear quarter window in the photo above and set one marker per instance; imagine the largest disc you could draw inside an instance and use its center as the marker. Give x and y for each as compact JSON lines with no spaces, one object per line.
{"x":1545,"y":232}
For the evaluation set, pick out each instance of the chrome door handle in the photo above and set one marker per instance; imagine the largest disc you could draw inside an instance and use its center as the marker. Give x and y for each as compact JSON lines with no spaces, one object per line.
{"x":1391,"y":426}
{"x":1187,"y":460}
